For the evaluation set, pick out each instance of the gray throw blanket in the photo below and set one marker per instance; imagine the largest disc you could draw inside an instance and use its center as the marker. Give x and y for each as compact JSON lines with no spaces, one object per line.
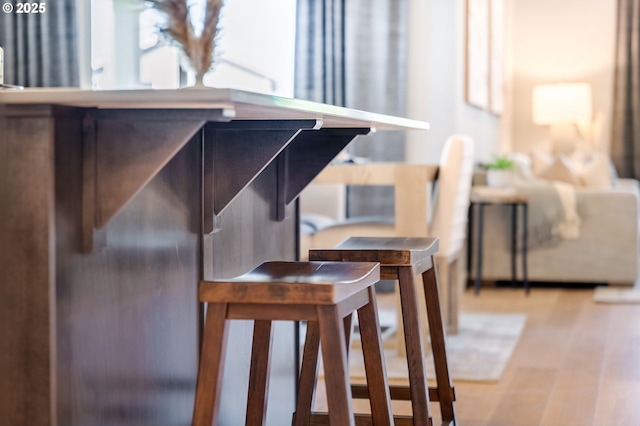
{"x":553,"y":213}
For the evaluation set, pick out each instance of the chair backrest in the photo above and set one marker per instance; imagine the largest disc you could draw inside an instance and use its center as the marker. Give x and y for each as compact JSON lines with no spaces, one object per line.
{"x":451,"y":206}
{"x":450,"y":203}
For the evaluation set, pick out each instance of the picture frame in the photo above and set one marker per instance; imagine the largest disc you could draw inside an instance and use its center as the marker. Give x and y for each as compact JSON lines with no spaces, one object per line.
{"x":496,"y":56}
{"x":477,"y":53}
{"x":485,"y":54}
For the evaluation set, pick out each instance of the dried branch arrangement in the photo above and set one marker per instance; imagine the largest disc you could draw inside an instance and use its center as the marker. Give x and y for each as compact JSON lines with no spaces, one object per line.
{"x":198,"y":48}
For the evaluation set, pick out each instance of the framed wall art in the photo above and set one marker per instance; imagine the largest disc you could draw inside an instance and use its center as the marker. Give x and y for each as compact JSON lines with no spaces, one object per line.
{"x":496,"y":56}
{"x":477,"y":53}
{"x":484,"y":73}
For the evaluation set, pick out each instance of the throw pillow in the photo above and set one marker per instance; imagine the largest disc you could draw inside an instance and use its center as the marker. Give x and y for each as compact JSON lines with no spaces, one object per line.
{"x":540,"y":161}
{"x":613,"y":172}
{"x":596,"y":172}
{"x":561,"y":170}
{"x":578,"y":159}
{"x":522,"y":166}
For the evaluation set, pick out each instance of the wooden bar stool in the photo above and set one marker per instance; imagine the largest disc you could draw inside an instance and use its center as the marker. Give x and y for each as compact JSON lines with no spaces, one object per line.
{"x":323,"y":293}
{"x":402,"y":259}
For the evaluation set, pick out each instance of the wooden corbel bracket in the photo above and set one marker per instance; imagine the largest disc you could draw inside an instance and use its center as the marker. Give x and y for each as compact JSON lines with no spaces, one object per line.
{"x":306,"y":156}
{"x":235,"y":153}
{"x":123,"y":150}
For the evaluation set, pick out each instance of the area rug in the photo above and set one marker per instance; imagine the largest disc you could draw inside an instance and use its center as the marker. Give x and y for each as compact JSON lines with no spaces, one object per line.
{"x":479,"y":352}
{"x":616,"y":295}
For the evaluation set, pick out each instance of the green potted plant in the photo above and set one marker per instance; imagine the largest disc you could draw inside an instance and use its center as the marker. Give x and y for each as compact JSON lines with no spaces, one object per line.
{"x":500,"y":172}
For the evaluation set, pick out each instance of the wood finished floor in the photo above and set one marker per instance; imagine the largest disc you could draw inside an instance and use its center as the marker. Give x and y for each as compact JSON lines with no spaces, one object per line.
{"x":577,"y":363}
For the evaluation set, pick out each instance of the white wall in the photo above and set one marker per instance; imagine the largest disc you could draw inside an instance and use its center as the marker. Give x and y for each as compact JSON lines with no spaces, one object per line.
{"x":560,"y":41}
{"x":546,"y":41}
{"x":436,"y":83}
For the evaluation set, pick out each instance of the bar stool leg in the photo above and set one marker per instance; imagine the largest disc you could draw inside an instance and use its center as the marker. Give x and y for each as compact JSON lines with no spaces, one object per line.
{"x":336,"y":368}
{"x":413,"y":343}
{"x":438,"y":347}
{"x":214,"y":344}
{"x":259,"y":373}
{"x":308,"y":375}
{"x":348,"y":331}
{"x":373,"y":354}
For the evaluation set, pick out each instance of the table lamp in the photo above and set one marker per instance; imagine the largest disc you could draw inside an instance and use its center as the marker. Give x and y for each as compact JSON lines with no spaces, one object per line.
{"x":564,"y":107}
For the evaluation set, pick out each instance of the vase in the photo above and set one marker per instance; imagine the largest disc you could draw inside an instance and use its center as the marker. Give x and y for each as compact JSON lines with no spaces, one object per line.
{"x":497,"y":178}
{"x":199,"y":81}
{"x":197,"y":50}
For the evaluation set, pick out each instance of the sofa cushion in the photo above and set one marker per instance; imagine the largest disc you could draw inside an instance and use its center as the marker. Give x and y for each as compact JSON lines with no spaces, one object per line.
{"x":587,"y":169}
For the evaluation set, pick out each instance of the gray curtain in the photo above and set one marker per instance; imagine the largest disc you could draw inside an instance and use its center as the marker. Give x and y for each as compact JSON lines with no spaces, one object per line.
{"x":320,"y":48}
{"x":352,"y":53}
{"x":40,"y":48}
{"x":625,"y":146}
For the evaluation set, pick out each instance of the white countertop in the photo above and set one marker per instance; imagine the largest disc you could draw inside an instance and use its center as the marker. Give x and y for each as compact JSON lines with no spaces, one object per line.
{"x":236,"y":104}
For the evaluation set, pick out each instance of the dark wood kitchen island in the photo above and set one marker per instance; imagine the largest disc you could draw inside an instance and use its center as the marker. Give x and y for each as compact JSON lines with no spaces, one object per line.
{"x":112,"y":205}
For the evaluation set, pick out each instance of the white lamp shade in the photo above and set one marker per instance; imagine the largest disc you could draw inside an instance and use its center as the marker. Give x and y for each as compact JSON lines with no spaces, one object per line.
{"x":562,"y":103}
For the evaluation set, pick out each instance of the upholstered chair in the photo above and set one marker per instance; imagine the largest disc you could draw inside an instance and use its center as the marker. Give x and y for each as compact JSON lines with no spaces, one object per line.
{"x":441,"y":214}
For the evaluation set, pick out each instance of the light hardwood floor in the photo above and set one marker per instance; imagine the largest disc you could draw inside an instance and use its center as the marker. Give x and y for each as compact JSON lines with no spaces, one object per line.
{"x":577,"y":363}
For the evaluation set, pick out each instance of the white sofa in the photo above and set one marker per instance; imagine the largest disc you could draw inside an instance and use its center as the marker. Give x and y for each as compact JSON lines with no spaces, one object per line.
{"x":606,"y":250}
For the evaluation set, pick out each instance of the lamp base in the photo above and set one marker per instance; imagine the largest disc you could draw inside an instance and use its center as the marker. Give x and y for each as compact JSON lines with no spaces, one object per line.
{"x":564,"y":137}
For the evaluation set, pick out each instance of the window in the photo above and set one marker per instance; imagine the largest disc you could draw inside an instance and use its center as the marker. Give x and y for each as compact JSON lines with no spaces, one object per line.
{"x":255,"y":49}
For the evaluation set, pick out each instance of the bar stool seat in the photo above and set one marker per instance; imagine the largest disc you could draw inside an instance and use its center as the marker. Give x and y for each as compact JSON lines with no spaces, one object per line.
{"x":402,"y":259}
{"x":323,"y":293}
